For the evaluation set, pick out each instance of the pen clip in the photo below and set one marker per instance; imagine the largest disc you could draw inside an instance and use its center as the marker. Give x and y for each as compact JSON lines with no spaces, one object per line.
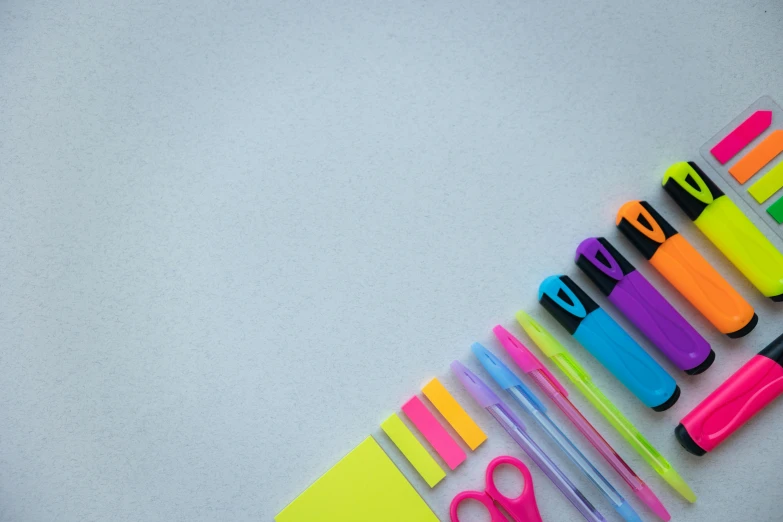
{"x":503,"y":375}
{"x":602,"y":263}
{"x":568,"y":303}
{"x":568,"y":360}
{"x":557,"y":291}
{"x":643,"y":226}
{"x":690,"y":188}
{"x":525,"y":358}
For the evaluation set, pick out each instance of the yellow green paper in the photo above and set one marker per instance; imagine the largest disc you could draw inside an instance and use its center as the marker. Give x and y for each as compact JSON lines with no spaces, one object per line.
{"x":364,"y":485}
{"x":770,"y":183}
{"x":414,"y":451}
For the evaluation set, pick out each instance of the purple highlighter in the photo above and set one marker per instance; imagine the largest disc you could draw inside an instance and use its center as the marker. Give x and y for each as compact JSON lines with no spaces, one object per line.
{"x":644,"y":306}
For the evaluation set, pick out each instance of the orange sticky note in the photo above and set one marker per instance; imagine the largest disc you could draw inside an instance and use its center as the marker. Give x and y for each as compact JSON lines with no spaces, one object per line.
{"x":756,"y":159}
{"x":454,"y":414}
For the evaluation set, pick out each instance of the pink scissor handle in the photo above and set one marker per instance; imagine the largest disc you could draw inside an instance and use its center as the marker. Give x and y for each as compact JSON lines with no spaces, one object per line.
{"x":478,"y":496}
{"x":522,"y":508}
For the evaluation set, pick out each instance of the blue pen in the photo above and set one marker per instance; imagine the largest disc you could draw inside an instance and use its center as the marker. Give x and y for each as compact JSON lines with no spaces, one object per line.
{"x":608,"y":342}
{"x":508,"y":380}
{"x":515,"y":428}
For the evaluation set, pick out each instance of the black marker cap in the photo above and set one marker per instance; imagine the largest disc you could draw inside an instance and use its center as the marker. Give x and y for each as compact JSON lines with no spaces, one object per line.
{"x":686,"y":441}
{"x":690,"y":188}
{"x":567,"y":303}
{"x":602,"y":263}
{"x":644,"y":227}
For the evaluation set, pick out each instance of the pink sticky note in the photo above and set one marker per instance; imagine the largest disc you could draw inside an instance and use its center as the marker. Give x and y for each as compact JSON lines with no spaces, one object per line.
{"x":741,"y":137}
{"x":434,"y":432}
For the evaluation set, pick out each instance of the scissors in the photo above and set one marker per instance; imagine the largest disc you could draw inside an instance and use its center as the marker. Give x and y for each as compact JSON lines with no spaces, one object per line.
{"x":522,"y":509}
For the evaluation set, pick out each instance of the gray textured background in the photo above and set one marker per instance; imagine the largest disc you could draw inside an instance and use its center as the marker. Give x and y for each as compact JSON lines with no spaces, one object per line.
{"x":235,"y":236}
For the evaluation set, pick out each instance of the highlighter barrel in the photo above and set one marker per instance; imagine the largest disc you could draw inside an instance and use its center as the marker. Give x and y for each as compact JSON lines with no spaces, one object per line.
{"x":682,"y":265}
{"x":733,"y":403}
{"x":644,"y":306}
{"x":608,"y":342}
{"x":727,"y":227}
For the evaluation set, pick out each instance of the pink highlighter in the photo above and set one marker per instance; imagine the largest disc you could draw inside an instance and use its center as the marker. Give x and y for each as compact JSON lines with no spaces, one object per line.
{"x":734,"y":402}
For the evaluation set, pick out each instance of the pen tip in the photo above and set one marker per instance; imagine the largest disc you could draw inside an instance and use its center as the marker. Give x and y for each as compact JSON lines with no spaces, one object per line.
{"x":653,"y":502}
{"x":680,"y":486}
{"x":626,"y":511}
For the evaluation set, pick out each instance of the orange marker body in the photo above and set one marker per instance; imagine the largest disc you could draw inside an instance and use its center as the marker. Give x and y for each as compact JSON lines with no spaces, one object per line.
{"x":682,"y":265}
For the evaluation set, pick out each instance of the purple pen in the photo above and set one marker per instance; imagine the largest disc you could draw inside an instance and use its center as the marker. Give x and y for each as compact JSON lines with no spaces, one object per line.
{"x":644,"y":306}
{"x":516,"y":429}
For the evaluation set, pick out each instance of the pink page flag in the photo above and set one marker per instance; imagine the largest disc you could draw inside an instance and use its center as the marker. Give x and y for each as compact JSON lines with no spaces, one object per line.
{"x":739,"y":138}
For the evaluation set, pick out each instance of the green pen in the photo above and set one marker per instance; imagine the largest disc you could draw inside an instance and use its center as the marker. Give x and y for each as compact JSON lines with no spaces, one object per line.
{"x":582,"y":380}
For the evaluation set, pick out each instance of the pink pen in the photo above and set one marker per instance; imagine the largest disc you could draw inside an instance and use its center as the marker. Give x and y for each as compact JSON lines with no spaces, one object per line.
{"x":544,"y":379}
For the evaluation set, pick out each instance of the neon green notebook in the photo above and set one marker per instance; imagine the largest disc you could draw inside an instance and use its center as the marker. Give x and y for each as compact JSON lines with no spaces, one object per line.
{"x":364,"y":486}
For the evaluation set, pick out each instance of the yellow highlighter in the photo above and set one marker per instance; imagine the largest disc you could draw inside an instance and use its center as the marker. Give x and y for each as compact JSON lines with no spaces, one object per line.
{"x":584,"y":383}
{"x":727,"y":227}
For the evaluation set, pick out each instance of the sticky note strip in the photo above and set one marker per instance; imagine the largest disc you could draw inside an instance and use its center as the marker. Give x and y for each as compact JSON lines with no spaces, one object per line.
{"x":756,"y":159}
{"x":435,"y":434}
{"x":739,"y":138}
{"x":413,"y":450}
{"x":454,"y":414}
{"x":776,"y":210}
{"x":365,"y":485}
{"x":770,"y":183}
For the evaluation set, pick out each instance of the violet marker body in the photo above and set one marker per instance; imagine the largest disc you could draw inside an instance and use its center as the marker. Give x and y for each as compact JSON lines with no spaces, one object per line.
{"x":644,"y":306}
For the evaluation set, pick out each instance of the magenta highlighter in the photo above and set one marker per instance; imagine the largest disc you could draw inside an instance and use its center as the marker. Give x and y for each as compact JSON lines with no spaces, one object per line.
{"x":644,"y":306}
{"x":734,"y":402}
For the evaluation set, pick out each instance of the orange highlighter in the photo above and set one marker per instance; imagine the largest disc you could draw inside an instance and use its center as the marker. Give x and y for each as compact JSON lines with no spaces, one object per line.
{"x":682,"y":265}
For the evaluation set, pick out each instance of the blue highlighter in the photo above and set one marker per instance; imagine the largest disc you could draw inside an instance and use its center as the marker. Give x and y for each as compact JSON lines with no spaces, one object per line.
{"x":608,"y":342}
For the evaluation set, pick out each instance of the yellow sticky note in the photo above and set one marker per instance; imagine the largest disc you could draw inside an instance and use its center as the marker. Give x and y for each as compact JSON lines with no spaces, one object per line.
{"x":414,"y":451}
{"x":454,"y":414}
{"x":365,"y":485}
{"x":770,"y":183}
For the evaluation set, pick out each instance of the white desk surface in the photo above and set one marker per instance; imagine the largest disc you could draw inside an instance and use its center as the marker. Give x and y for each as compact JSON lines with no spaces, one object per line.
{"x":235,"y":236}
